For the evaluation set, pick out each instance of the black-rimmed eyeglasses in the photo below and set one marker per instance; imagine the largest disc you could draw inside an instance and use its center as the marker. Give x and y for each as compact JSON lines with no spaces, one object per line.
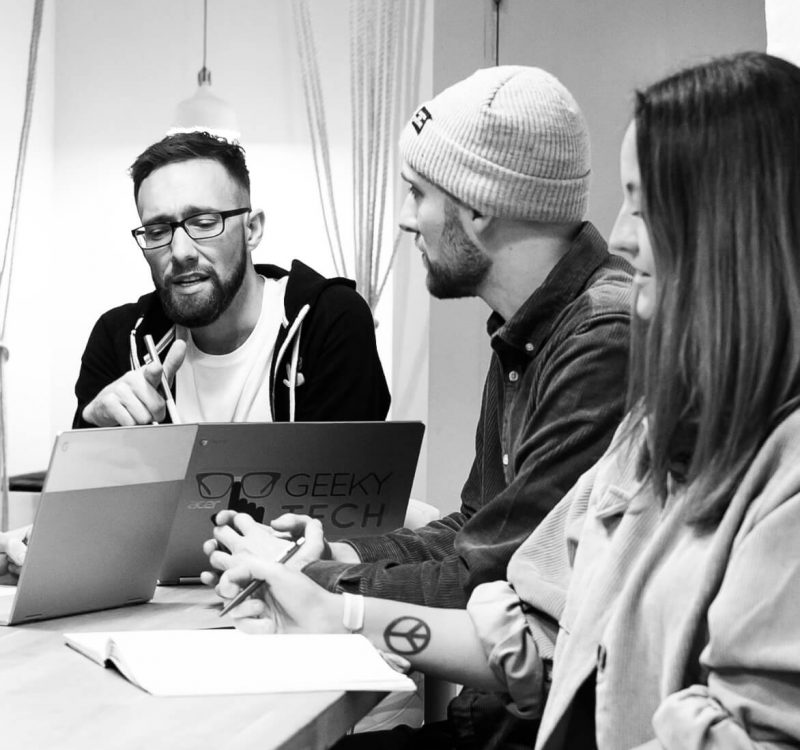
{"x":199,"y":227}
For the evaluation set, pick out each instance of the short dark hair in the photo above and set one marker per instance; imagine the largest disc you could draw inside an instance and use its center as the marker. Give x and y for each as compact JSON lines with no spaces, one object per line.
{"x":186,"y":146}
{"x":718,"y":364}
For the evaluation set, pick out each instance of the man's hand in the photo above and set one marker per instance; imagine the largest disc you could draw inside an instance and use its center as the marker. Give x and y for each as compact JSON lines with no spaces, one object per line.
{"x":134,"y":398}
{"x":289,"y":602}
{"x":315,"y":547}
{"x":237,"y":533}
{"x":13,"y":546}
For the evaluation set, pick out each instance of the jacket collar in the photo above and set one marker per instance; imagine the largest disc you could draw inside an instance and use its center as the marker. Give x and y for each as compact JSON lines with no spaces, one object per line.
{"x":534,"y":321}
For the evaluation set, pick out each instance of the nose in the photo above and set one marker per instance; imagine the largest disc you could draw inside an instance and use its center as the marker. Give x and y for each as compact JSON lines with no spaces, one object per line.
{"x":408,"y":215}
{"x":623,"y":235}
{"x":182,"y":247}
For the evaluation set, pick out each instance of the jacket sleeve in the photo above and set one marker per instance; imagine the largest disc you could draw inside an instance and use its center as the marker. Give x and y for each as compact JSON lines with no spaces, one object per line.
{"x":517,"y":620}
{"x":100,"y":365}
{"x":343,"y":378}
{"x":752,"y":657}
{"x":577,"y":409}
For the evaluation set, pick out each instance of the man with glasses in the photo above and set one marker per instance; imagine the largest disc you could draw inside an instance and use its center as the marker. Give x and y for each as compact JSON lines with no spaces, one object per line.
{"x":242,"y":342}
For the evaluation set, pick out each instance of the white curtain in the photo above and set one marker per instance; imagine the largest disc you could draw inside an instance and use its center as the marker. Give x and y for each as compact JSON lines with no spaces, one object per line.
{"x":385,"y":52}
{"x":7,"y":263}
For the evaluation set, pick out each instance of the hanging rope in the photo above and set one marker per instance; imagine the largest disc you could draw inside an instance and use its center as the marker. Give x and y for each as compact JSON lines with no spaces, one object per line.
{"x":315,"y":111}
{"x":410,"y":62}
{"x":385,"y":40}
{"x":7,"y":267}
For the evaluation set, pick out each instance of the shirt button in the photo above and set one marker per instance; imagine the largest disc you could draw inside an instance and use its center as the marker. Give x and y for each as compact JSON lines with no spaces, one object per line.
{"x":513,"y":376}
{"x":529,"y":347}
{"x":505,"y":459}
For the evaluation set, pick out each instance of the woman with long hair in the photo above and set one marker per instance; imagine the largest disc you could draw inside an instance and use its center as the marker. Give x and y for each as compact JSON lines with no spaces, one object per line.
{"x":670,"y":574}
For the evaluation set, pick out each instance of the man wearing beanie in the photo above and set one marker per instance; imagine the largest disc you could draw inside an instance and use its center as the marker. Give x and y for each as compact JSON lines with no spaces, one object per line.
{"x":498,"y":173}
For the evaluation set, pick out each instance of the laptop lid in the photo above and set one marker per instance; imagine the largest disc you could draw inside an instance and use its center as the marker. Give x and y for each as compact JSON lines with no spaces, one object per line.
{"x":355,"y":477}
{"x":103,"y":521}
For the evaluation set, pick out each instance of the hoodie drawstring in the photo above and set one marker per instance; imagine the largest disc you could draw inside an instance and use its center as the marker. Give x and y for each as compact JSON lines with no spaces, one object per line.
{"x":165,"y":341}
{"x":292,"y":337}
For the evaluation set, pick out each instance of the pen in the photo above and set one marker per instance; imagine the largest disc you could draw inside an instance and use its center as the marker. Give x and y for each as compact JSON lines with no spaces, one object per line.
{"x":171,"y":408}
{"x":254,"y":585}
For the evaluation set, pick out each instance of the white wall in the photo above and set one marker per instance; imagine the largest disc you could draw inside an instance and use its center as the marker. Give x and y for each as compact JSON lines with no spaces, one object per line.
{"x":783,"y":29}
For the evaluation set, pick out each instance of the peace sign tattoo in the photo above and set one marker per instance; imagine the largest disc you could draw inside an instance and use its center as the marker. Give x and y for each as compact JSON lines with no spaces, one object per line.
{"x":407,"y":635}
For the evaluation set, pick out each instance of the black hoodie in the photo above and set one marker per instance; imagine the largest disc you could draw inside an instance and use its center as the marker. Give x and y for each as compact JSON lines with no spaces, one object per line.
{"x":339,"y":375}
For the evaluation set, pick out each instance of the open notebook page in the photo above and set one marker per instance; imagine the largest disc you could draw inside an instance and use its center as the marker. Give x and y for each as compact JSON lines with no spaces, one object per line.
{"x":227,"y":662}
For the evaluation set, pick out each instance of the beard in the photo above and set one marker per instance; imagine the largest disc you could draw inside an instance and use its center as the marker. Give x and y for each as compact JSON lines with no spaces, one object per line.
{"x":202,"y":309}
{"x":462,"y":266}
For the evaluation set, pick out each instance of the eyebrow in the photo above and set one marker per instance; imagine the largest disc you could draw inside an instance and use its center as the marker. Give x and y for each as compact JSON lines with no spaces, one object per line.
{"x":187,"y":211}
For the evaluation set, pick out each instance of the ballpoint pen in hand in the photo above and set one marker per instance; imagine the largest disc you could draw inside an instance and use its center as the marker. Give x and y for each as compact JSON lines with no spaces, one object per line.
{"x":256,"y":583}
{"x":171,"y":408}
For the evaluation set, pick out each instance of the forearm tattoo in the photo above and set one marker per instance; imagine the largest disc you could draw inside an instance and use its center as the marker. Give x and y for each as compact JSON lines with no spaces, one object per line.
{"x":407,"y":636}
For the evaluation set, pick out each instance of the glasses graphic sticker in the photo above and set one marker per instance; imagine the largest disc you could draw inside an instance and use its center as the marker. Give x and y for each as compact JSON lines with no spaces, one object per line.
{"x":255,"y":485}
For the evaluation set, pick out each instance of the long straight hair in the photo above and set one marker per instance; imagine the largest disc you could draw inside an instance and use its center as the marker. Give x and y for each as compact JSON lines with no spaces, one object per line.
{"x":718,"y":365}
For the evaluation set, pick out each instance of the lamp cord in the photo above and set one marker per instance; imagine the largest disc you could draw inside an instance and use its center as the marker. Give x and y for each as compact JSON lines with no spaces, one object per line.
{"x":205,"y":30}
{"x":497,"y":32}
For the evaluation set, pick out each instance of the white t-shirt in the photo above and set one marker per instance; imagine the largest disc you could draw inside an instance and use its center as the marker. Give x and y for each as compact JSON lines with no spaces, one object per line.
{"x":232,"y":387}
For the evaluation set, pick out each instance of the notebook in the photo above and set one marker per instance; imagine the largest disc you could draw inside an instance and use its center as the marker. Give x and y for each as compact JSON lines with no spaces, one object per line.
{"x":355,"y":477}
{"x":229,"y":662}
{"x":103,"y":521}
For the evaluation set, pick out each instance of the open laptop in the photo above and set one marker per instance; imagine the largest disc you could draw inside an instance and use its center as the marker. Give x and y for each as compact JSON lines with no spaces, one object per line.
{"x":103,"y":521}
{"x":355,"y":477}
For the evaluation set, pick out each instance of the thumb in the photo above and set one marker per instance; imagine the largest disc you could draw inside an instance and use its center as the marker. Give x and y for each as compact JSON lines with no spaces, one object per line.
{"x":152,"y":374}
{"x":16,"y":551}
{"x":174,"y":359}
{"x":291,"y":523}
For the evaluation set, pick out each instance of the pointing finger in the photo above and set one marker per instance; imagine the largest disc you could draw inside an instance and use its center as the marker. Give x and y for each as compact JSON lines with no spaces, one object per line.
{"x":174,"y":359}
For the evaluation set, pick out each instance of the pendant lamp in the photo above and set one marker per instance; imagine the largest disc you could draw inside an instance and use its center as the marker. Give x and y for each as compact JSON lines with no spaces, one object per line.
{"x":203,"y":110}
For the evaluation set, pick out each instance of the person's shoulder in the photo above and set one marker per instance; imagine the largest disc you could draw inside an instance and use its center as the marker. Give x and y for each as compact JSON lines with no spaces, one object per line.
{"x":306,"y":286}
{"x":609,"y":290}
{"x":129,"y":311}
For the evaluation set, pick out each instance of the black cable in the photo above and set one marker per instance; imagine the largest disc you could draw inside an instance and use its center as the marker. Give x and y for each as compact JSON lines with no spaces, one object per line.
{"x":205,"y":29}
{"x":497,"y":32}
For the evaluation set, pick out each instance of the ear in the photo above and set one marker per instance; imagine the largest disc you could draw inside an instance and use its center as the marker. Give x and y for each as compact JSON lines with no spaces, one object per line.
{"x":480,"y":223}
{"x":254,"y":229}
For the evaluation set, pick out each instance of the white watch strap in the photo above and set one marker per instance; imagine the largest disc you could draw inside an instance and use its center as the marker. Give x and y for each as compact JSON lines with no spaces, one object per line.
{"x":353,"y":616}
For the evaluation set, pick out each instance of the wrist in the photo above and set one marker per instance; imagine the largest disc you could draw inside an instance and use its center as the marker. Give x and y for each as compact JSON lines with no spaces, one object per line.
{"x":353,"y":612}
{"x":335,"y":615}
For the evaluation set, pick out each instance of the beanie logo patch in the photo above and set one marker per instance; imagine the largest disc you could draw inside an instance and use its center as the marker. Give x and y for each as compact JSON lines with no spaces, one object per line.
{"x":419,"y":119}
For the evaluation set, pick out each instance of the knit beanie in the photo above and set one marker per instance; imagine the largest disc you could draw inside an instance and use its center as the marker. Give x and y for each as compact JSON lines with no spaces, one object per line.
{"x":508,"y":141}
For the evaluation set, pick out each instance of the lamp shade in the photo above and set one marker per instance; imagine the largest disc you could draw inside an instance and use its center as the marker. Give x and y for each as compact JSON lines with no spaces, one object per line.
{"x":205,"y":111}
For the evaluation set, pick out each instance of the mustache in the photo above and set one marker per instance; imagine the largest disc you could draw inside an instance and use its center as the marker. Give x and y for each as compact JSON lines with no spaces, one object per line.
{"x":179,"y":269}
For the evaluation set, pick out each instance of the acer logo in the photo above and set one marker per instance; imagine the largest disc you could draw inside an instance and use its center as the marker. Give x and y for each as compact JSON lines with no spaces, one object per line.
{"x":204,"y":504}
